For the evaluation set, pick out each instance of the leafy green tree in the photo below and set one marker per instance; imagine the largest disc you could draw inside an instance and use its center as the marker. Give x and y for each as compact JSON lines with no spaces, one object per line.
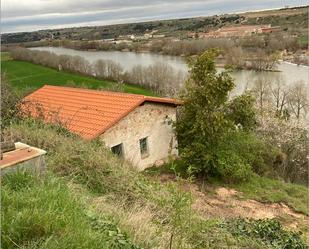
{"x":202,"y":122}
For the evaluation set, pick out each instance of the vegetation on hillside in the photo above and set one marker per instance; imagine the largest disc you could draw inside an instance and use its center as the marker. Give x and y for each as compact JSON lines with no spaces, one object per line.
{"x":152,"y":214}
{"x":105,"y":202}
{"x":41,"y":212}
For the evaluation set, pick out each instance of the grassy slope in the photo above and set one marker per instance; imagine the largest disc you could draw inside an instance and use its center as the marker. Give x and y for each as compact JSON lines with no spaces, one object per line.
{"x":41,"y":213}
{"x":268,"y":190}
{"x":148,"y":211}
{"x":25,"y":75}
{"x":258,"y":188}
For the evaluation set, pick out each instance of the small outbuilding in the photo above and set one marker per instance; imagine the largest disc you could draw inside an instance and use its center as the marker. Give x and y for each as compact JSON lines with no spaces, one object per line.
{"x":135,"y":127}
{"x":22,"y":157}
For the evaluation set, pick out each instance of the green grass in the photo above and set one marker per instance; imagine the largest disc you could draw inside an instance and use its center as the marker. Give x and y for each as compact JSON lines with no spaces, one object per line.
{"x":258,"y":188}
{"x":268,"y":190}
{"x":147,"y":210}
{"x":41,"y":213}
{"x":26,"y":75}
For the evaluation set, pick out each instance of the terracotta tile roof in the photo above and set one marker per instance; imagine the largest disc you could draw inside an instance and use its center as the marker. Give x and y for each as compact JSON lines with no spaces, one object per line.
{"x":88,"y":113}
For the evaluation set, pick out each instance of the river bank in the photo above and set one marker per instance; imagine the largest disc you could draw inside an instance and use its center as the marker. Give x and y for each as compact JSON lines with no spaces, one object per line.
{"x":285,"y":71}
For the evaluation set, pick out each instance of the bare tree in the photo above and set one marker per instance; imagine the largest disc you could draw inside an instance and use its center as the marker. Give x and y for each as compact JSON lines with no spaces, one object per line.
{"x":262,"y":61}
{"x":261,"y":91}
{"x":298,"y":99}
{"x":279,"y":93}
{"x":159,"y":77}
{"x":235,"y":57}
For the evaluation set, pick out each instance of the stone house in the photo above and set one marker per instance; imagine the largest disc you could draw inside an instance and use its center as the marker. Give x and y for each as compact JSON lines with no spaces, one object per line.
{"x":135,"y":127}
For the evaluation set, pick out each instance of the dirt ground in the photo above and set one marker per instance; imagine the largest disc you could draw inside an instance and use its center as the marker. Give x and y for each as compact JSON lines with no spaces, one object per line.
{"x":228,"y":203}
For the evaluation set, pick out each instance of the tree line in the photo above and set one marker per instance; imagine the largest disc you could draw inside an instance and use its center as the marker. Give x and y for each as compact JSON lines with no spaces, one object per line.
{"x":257,"y":52}
{"x":159,"y":77}
{"x":288,"y":102}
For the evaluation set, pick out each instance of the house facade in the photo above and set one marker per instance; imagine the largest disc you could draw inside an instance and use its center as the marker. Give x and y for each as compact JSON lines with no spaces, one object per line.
{"x":145,"y":136}
{"x":135,"y":127}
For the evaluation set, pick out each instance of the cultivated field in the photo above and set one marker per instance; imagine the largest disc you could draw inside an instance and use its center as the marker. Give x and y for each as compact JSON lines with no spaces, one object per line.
{"x":27,"y":76}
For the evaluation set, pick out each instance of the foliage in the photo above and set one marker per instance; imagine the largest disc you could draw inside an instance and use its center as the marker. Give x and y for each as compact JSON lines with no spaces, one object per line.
{"x":251,"y":150}
{"x":208,"y":139}
{"x":41,"y":213}
{"x":202,"y":123}
{"x":160,"y":78}
{"x":270,"y":231}
{"x":242,"y":112}
{"x":231,"y":167}
{"x":9,"y":101}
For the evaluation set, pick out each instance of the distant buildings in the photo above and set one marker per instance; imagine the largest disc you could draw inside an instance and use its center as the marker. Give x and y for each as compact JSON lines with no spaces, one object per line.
{"x":146,"y":36}
{"x":236,"y":31}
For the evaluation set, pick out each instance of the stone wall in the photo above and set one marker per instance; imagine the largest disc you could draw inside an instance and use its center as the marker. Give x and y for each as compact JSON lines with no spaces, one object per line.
{"x":150,"y":120}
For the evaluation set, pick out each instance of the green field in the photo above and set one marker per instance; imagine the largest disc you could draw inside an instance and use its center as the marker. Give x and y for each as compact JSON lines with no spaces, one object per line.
{"x":25,"y":75}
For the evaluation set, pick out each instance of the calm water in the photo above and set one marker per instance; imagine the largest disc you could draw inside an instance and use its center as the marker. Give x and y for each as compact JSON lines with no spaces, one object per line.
{"x":289,"y":73}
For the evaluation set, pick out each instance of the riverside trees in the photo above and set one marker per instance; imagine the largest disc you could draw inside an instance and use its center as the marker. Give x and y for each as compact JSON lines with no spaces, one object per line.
{"x":161,"y":78}
{"x":229,"y":138}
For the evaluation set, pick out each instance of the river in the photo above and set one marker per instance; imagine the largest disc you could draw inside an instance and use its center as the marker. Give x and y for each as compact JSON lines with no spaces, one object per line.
{"x":288,"y":73}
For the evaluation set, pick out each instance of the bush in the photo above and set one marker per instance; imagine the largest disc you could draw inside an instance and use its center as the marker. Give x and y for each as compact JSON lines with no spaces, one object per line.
{"x":232,"y":168}
{"x":214,"y":133}
{"x":252,"y":151}
{"x":291,"y":137}
{"x":9,"y":101}
{"x":242,"y":112}
{"x":270,"y":231}
{"x":202,"y":122}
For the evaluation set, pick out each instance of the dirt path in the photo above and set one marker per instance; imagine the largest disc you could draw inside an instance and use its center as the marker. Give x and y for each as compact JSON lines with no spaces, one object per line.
{"x":228,"y":203}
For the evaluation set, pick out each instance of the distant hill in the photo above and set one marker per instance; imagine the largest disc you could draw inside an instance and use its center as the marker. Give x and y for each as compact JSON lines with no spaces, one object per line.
{"x":294,"y":18}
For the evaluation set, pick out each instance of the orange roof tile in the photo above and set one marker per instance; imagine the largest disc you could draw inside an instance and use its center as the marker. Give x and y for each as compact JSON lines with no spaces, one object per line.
{"x":88,"y":113}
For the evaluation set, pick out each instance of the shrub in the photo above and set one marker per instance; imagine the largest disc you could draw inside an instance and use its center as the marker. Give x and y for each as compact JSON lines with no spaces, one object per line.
{"x":253,"y":151}
{"x":232,"y":168}
{"x":9,"y":100}
{"x":209,"y":141}
{"x":291,"y":136}
{"x":270,"y":231}
{"x":242,"y":112}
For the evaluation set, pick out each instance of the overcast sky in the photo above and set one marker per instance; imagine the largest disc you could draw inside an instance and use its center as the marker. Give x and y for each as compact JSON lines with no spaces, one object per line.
{"x":29,"y":15}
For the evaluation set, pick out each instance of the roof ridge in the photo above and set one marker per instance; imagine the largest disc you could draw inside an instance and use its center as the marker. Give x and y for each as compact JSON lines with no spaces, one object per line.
{"x":79,"y":89}
{"x":89,"y":105}
{"x":145,"y":97}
